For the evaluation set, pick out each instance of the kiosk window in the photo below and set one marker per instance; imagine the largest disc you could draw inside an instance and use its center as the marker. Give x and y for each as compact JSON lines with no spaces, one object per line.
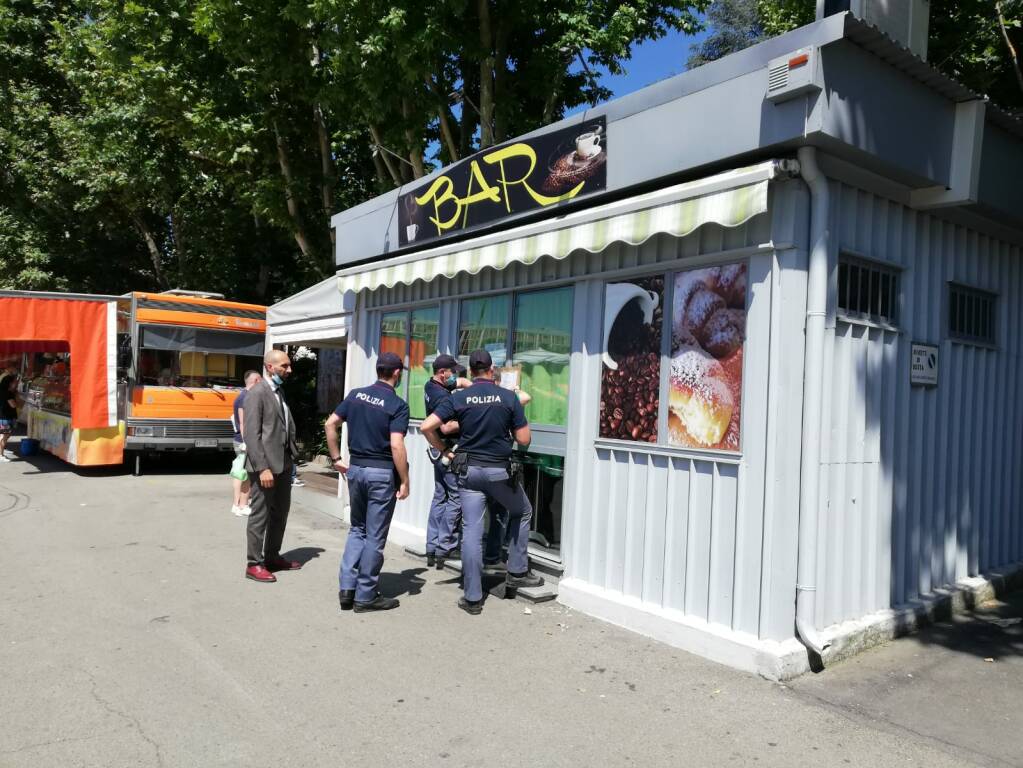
{"x":412,"y":336}
{"x":485,"y":326}
{"x":542,"y":343}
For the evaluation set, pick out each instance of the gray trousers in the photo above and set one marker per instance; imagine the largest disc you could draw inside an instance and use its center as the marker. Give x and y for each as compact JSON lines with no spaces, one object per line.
{"x":372,"y":496}
{"x":478,"y":486}
{"x":445,"y":512}
{"x":270,"y":507}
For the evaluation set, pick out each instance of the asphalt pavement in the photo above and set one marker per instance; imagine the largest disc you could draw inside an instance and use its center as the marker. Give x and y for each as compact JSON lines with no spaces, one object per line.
{"x":128,"y":637}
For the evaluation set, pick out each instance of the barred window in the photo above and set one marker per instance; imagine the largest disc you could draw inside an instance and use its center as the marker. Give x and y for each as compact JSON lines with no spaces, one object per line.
{"x":971,"y":314}
{"x":867,"y":291}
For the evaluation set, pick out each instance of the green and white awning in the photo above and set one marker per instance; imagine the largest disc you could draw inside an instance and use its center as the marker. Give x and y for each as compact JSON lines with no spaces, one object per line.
{"x":728,"y":199}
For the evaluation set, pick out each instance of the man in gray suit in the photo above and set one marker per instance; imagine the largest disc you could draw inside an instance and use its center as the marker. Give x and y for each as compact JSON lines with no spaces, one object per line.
{"x":271,"y":453}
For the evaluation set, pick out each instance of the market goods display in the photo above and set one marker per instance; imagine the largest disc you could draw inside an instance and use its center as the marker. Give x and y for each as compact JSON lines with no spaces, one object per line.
{"x":705,"y":383}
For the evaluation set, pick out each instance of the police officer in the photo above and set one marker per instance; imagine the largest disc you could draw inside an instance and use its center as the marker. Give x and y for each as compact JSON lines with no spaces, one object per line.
{"x":378,"y":476}
{"x":490,"y":420}
{"x":446,"y":507}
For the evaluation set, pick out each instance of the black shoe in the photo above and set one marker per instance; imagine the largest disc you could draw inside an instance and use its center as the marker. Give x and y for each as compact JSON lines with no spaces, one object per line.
{"x":442,"y":559}
{"x":527,"y":579}
{"x":497,"y":567}
{"x":380,"y":603}
{"x":472,"y":607}
{"x":346,"y":598}
{"x":430,"y":560}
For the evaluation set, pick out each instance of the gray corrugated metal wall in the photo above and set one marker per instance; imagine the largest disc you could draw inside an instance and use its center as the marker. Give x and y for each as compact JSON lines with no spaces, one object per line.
{"x":707,"y":535}
{"x":920,"y":487}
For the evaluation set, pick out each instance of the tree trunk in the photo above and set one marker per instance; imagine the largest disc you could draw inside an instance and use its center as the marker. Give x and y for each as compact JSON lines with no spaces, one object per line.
{"x":155,"y":256}
{"x":263,"y":276}
{"x":382,"y":176}
{"x":1008,"y":42}
{"x":293,"y":211}
{"x":382,"y":154}
{"x":470,"y":117}
{"x":415,"y":148}
{"x":552,"y":100}
{"x":486,"y":76}
{"x":446,"y":133}
{"x":500,"y":79}
{"x":326,"y":162}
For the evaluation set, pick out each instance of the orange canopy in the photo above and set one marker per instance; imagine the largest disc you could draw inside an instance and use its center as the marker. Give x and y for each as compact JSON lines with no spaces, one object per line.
{"x":88,"y":327}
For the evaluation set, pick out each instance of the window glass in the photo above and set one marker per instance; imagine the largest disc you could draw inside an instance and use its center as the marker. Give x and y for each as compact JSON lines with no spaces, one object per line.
{"x":170,"y":368}
{"x":541,"y":347}
{"x":484,"y":325}
{"x":394,"y":338}
{"x":422,"y":351}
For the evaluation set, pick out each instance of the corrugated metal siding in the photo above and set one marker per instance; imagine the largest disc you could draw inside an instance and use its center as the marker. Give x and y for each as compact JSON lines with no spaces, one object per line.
{"x":668,"y":529}
{"x":920,"y":487}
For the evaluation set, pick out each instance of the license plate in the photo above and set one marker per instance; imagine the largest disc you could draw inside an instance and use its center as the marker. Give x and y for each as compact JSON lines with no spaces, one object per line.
{"x":206,"y":442}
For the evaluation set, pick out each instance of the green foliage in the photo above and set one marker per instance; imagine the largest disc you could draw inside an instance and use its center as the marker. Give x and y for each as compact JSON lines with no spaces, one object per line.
{"x":204,"y":144}
{"x":780,"y":16}
{"x":734,"y":25}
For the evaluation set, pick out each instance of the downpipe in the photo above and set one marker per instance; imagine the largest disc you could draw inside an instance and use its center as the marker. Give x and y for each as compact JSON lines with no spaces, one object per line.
{"x":813,"y":390}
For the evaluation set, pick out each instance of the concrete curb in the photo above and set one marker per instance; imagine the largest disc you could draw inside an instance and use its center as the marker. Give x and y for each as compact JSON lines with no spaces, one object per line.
{"x":851,"y":637}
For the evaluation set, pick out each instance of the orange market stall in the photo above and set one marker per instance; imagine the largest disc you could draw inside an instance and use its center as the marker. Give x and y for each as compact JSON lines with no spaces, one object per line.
{"x":71,"y":410}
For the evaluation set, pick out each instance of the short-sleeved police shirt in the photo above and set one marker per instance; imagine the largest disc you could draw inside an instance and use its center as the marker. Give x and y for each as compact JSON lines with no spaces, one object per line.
{"x":486,"y":415}
{"x":373,"y":413}
{"x":433,"y":393}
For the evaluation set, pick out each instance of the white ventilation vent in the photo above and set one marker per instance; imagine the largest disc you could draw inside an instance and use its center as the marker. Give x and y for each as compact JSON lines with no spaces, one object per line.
{"x":792,"y":75}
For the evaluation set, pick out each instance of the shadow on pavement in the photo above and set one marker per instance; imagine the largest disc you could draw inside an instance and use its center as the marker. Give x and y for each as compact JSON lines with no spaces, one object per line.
{"x":407,"y":582}
{"x":303,"y":554}
{"x":993,"y":630}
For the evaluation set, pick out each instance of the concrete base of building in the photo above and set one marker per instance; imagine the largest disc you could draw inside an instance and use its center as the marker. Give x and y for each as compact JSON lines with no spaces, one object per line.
{"x":787,"y":659}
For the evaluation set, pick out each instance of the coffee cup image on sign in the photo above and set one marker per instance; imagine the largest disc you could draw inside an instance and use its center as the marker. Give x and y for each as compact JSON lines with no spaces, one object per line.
{"x":630,"y":379}
{"x":587,"y":144}
{"x":411,"y":231}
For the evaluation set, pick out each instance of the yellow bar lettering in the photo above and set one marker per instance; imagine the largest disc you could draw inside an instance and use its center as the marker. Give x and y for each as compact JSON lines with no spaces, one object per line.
{"x":524,"y":150}
{"x":487,"y":191}
{"x":440,"y":198}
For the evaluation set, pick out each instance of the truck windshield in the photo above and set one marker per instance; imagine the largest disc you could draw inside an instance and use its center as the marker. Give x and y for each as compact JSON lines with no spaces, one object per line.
{"x":173,"y":356}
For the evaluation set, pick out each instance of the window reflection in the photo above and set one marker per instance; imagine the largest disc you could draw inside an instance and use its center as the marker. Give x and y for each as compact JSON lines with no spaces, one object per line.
{"x":484,"y":326}
{"x":542,"y":343}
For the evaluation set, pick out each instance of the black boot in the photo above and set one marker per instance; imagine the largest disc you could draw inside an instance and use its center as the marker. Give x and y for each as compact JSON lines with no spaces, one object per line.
{"x":430,"y":559}
{"x":346,"y":598}
{"x":379,"y":603}
{"x":472,"y":607}
{"x":527,"y":579}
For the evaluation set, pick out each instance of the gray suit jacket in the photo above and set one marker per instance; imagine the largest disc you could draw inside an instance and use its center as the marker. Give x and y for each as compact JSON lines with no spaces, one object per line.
{"x":267,"y":444}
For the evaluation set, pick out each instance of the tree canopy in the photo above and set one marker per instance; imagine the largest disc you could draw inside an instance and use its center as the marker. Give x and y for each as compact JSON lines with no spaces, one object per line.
{"x":204,"y":144}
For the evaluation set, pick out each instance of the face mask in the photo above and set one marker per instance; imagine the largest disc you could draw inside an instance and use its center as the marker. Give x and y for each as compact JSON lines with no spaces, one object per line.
{"x":276,"y":379}
{"x":451,"y":381}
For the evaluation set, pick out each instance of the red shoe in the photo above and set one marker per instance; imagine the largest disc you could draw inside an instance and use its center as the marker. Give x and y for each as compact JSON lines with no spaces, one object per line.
{"x":280,"y":564}
{"x":259,"y":573}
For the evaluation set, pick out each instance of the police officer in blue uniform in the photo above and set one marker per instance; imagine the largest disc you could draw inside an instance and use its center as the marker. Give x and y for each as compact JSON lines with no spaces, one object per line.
{"x":442,"y":526}
{"x":490,"y":421}
{"x":377,"y":478}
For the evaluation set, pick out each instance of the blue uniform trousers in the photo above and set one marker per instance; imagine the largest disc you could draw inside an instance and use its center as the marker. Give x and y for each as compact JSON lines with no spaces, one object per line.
{"x":372,"y":494}
{"x":478,"y":486}
{"x":496,"y":534}
{"x":445,"y":512}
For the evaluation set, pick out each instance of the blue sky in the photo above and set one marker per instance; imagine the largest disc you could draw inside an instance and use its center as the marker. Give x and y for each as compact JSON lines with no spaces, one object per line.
{"x":651,"y":61}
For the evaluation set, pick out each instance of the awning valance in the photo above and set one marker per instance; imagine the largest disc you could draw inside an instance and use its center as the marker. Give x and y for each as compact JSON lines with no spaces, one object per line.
{"x":728,"y":199}
{"x":316,"y":314}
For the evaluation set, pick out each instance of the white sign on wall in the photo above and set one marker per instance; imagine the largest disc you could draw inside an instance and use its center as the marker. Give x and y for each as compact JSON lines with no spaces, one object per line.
{"x":923,"y":370}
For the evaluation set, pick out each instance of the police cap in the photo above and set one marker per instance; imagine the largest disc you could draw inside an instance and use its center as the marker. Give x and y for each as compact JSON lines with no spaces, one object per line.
{"x":480,"y":360}
{"x":388,"y":361}
{"x":444,"y":361}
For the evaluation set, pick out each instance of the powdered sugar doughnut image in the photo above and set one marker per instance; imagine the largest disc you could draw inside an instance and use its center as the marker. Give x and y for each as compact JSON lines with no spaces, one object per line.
{"x":708,"y":325}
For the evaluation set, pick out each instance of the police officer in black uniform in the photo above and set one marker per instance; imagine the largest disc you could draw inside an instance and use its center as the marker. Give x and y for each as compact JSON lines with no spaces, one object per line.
{"x":490,"y":420}
{"x":377,"y":478}
{"x":444,"y":521}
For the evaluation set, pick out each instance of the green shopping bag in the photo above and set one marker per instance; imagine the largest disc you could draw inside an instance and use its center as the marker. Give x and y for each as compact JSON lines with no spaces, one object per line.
{"x":238,"y":468}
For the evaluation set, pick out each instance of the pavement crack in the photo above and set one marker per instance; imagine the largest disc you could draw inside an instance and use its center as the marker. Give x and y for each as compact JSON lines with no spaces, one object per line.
{"x":129,"y":718}
{"x":52,"y":742}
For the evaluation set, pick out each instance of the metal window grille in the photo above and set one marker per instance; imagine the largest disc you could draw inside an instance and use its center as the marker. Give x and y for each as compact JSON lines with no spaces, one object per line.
{"x":971,"y":314}
{"x":867,"y":291}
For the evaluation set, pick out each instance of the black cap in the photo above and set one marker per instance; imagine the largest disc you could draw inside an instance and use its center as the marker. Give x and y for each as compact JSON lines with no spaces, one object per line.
{"x":444,"y":361}
{"x":460,"y":370}
{"x":480,"y":360}
{"x":388,"y":361}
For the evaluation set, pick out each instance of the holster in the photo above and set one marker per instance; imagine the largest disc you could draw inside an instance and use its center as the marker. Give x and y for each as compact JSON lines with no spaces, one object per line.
{"x":460,"y":464}
{"x":516,"y":475}
{"x":433,"y":454}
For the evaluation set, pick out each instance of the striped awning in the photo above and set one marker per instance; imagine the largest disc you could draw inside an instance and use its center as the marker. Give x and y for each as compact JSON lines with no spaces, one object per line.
{"x":728,"y":199}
